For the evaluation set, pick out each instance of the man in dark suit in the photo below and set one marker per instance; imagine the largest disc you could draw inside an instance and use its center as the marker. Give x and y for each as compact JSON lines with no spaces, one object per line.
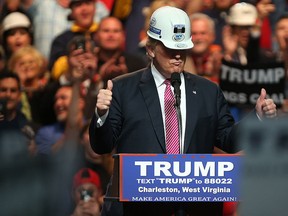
{"x":130,"y":113}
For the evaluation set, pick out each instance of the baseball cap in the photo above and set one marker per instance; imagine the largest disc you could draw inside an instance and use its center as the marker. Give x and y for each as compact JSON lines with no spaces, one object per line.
{"x":15,"y":20}
{"x":242,"y":14}
{"x":86,"y":175}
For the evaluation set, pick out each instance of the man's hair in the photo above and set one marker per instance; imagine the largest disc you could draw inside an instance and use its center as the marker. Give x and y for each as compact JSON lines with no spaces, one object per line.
{"x":202,"y":16}
{"x":281,"y":17}
{"x":8,"y":74}
{"x":151,"y":42}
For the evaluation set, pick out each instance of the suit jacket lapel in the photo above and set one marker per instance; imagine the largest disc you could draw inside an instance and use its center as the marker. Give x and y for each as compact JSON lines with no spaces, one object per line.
{"x":191,"y":109}
{"x":150,"y":95}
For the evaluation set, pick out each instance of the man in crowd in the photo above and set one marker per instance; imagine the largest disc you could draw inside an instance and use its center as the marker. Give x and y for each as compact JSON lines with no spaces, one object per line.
{"x":82,"y":13}
{"x":205,"y":57}
{"x":86,"y":193}
{"x":13,"y":124}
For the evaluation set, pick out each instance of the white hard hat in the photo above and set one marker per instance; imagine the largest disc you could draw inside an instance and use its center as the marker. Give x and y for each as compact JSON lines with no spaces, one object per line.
{"x":242,"y":14}
{"x":171,"y":26}
{"x":15,"y":20}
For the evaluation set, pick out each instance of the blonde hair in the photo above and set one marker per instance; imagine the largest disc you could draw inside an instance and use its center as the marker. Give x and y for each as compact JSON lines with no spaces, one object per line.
{"x":37,"y":56}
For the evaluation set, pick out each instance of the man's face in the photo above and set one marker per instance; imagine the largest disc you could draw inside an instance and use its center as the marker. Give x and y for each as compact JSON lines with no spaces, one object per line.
{"x":167,"y":61}
{"x":281,"y":33}
{"x":110,"y":35}
{"x":83,"y":13}
{"x":202,"y":36}
{"x":243,"y":33}
{"x":9,"y":90}
{"x":62,"y":102}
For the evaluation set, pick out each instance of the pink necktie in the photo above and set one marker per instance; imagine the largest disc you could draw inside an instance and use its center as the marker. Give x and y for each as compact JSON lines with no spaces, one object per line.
{"x":171,"y":122}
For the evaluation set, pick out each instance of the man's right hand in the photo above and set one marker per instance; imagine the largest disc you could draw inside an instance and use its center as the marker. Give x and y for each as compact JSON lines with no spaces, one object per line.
{"x":104,"y":99}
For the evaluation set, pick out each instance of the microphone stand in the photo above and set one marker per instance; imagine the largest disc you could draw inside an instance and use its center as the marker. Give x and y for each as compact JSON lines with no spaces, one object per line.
{"x":176,"y":82}
{"x":180,"y":211}
{"x":179,"y":118}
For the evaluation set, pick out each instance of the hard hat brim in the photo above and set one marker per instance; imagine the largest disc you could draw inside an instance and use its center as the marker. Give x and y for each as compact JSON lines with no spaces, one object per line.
{"x":188,"y":44}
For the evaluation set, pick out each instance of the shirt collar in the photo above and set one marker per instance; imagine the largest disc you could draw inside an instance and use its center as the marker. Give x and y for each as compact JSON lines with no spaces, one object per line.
{"x":158,"y":77}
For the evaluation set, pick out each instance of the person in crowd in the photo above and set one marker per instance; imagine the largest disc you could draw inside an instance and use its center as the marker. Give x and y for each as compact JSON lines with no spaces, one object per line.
{"x":280,"y":8}
{"x":219,"y":13}
{"x":78,"y":61}
{"x":82,"y":13}
{"x":241,"y":39}
{"x":61,"y":143}
{"x":10,"y":6}
{"x":112,"y":59}
{"x":29,"y":64}
{"x":205,"y":57}
{"x":102,"y":164}
{"x":132,"y":107}
{"x":16,"y":32}
{"x":21,"y":170}
{"x":50,"y":138}
{"x":14,"y":127}
{"x":281,"y":55}
{"x":58,"y":146}
{"x":265,"y":10}
{"x":2,"y":59}
{"x":281,"y":34}
{"x":109,"y":55}
{"x":50,"y":20}
{"x":130,"y":13}
{"x":87,"y":193}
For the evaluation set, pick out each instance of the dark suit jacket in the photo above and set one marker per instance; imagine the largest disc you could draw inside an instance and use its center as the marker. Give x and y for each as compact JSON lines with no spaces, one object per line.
{"x":135,"y":124}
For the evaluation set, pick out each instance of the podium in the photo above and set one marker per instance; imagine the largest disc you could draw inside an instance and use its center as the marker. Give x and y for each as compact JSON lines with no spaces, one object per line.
{"x":189,"y":199}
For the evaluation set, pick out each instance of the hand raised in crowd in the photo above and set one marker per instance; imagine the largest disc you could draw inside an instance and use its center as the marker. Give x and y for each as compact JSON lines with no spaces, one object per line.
{"x":265,"y":107}
{"x":104,"y":99}
{"x":82,"y":64}
{"x":113,"y":67}
{"x":264,"y":8}
{"x":84,"y":208}
{"x":230,"y":42}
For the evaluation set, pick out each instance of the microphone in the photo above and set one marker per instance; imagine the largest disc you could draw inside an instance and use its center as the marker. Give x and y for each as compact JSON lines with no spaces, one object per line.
{"x":176,"y":82}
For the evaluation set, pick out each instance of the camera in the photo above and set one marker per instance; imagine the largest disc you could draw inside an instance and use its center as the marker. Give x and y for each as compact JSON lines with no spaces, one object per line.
{"x":86,"y":195}
{"x":80,"y":43}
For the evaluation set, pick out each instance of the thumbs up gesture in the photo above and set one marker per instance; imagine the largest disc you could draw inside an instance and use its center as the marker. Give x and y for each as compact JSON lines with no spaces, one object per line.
{"x":265,"y":107}
{"x":104,"y":99}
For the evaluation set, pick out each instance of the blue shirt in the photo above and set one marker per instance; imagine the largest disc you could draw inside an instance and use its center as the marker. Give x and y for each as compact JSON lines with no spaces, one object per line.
{"x":47,"y":136}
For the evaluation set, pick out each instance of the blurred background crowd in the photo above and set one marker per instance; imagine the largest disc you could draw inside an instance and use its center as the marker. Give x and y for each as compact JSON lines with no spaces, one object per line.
{"x":56,"y":54}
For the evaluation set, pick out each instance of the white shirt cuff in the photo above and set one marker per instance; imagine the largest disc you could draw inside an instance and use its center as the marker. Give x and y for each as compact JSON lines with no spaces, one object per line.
{"x":101,"y":120}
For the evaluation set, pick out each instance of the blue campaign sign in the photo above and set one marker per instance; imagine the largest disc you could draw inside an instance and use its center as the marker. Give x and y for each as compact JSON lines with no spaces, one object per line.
{"x":179,"y":178}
